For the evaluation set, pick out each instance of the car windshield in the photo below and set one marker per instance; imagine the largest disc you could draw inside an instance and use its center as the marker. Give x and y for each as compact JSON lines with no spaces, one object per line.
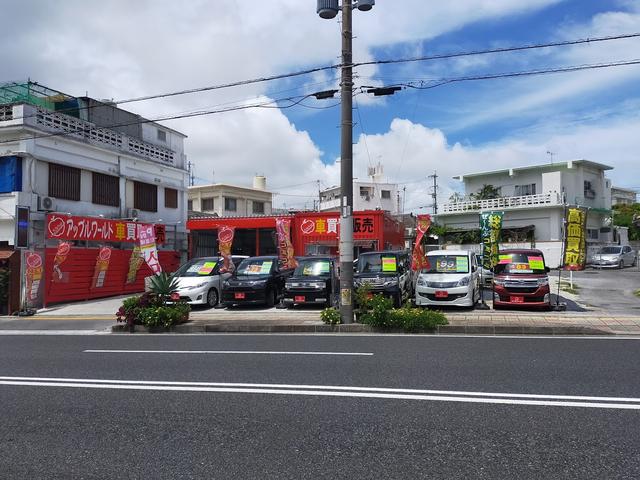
{"x":520,"y":263}
{"x":199,"y":267}
{"x":313,"y":268}
{"x":610,"y":250}
{"x":447,"y":264}
{"x":377,"y":263}
{"x":255,"y":266}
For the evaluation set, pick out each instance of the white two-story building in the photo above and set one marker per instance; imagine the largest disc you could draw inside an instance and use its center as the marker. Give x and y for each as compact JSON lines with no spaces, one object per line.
{"x":533,"y":199}
{"x":87,"y":158}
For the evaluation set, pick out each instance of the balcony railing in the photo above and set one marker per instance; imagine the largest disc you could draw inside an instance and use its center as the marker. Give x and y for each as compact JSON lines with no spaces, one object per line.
{"x":31,"y":116}
{"x":526,"y":201}
{"x":329,"y":204}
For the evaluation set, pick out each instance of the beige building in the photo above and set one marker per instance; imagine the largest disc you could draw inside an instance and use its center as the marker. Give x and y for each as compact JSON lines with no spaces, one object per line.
{"x":226,"y":200}
{"x":623,"y":196}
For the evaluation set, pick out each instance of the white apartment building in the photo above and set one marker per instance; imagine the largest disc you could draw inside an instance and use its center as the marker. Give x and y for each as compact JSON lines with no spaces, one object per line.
{"x":533,"y":200}
{"x":226,"y":200}
{"x":366,"y":196}
{"x":84,"y":157}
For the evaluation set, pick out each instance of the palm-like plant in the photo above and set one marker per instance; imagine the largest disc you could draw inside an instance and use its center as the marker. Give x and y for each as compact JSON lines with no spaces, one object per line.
{"x":163,"y":285}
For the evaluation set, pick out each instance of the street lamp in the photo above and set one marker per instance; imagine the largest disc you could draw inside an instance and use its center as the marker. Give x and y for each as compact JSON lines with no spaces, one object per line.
{"x":329,"y":9}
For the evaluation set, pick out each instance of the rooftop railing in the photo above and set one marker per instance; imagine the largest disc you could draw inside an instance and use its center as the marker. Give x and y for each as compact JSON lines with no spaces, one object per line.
{"x":526,"y":201}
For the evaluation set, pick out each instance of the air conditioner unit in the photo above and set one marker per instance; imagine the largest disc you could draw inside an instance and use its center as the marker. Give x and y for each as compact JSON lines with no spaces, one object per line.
{"x":46,"y":204}
{"x":133,"y":213}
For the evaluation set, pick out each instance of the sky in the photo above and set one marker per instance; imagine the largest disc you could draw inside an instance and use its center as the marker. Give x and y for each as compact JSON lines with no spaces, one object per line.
{"x":117,"y":49}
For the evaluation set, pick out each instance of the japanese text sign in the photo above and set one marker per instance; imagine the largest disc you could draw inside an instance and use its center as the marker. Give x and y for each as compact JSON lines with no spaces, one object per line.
{"x":575,"y":239}
{"x":72,"y":227}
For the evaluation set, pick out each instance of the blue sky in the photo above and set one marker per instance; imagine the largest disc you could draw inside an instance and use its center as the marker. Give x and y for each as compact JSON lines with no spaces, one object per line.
{"x":119,"y":49}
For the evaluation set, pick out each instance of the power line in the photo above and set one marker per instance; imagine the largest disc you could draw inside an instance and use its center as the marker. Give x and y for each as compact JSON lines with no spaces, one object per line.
{"x":500,"y":50}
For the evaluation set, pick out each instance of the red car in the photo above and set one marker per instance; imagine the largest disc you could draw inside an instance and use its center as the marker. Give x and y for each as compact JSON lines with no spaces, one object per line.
{"x":521,"y":280}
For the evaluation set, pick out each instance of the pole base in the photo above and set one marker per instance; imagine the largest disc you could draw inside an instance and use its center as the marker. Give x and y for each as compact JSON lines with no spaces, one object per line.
{"x":559,"y":307}
{"x":483,"y":306}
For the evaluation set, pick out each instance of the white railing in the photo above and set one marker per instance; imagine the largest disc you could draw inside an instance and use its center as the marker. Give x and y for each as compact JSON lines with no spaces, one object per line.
{"x":329,"y":204}
{"x":526,"y":201}
{"x":79,"y":129}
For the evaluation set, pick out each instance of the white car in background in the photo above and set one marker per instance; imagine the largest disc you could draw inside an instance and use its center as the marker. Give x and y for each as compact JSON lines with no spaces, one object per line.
{"x":616,"y":256}
{"x":486,"y":275}
{"x":451,"y":279}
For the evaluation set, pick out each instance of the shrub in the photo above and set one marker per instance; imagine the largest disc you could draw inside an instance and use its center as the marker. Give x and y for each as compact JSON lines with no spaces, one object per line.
{"x":415,"y":319}
{"x":165,"y":316}
{"x":376,"y":313}
{"x":330,"y":316}
{"x":150,"y":310}
{"x":163,"y":285}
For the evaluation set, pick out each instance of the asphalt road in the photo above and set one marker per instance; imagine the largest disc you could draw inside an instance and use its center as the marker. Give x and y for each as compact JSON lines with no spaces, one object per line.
{"x":269,"y":406}
{"x":610,"y":290}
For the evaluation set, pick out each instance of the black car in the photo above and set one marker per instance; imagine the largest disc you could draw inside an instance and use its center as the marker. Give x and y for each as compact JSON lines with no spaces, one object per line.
{"x":386,"y":272}
{"x":314,"y":281}
{"x":257,"y":280}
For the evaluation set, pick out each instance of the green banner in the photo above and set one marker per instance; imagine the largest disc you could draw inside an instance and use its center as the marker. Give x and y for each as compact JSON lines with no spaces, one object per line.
{"x":490,"y":227}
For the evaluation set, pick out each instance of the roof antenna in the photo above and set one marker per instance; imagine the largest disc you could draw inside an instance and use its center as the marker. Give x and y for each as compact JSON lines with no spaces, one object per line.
{"x":551,"y":154}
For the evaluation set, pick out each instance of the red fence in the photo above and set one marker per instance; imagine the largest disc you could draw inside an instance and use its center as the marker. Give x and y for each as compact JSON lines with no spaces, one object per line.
{"x":78,"y":271}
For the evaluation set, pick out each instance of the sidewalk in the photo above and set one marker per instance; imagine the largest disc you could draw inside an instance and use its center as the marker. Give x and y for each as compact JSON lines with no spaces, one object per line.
{"x":488,"y":322}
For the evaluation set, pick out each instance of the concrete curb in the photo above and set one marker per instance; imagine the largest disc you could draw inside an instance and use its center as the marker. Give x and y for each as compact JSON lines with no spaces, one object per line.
{"x":195,"y":328}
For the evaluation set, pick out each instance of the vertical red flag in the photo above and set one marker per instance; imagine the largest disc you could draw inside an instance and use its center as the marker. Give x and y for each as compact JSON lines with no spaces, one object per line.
{"x":225,"y":240}
{"x":419,"y":258}
{"x":285,"y":248}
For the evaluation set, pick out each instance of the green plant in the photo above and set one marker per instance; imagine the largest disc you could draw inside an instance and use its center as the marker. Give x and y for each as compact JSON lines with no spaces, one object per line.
{"x":151,"y":310}
{"x":376,"y":313}
{"x":165,"y":315}
{"x":163,"y":285}
{"x":637,"y":293}
{"x":330,"y":316}
{"x":362,"y":296}
{"x":415,"y":319}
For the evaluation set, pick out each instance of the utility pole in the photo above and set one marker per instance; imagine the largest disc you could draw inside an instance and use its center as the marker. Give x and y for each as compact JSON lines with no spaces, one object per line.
{"x":190,"y":166}
{"x":329,"y":9}
{"x":434,"y":195}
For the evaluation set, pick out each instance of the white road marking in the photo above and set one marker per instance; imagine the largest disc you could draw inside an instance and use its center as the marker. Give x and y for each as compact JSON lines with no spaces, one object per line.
{"x":53,"y":332}
{"x":621,"y":403}
{"x":231,"y":352}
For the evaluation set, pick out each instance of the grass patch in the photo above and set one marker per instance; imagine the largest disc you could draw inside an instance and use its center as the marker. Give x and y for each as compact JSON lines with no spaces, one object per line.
{"x":637,"y":293}
{"x":566,"y":287}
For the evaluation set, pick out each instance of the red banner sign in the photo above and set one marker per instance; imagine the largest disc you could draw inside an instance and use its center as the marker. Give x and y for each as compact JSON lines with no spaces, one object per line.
{"x":61,"y":255}
{"x":362,"y":225}
{"x":225,"y":240}
{"x":419,"y":258}
{"x":102,"y":265}
{"x":147,"y":243}
{"x":285,"y":247}
{"x":71,"y":227}
{"x":34,"y":265}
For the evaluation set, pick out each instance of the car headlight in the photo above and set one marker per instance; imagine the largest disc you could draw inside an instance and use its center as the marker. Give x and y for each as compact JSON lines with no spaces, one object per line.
{"x":543,"y":281}
{"x":258,"y":283}
{"x":390,"y":283}
{"x":316,"y":284}
{"x":226,"y":284}
{"x":464,"y":281}
{"x":500,"y":283}
{"x":421,"y":282}
{"x":200,"y":285}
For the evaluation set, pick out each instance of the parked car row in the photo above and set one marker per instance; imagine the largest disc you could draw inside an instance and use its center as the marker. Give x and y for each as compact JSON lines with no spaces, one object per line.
{"x":617,"y":256}
{"x":453,"y":278}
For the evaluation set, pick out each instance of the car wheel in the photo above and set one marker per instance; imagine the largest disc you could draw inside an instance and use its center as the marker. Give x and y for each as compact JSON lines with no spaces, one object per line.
{"x":212,"y":297}
{"x":271,"y":298}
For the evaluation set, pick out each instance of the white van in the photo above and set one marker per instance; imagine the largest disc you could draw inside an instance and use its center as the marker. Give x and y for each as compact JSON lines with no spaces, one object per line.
{"x":451,"y":279}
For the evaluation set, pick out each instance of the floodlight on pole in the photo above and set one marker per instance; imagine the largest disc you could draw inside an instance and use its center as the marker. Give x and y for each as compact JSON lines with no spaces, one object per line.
{"x":329,"y":9}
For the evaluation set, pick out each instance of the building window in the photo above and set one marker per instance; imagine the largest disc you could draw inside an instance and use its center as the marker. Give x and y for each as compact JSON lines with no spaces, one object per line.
{"x":230,"y":204}
{"x":105,"y":190}
{"x":593,"y":233}
{"x":589,"y":192}
{"x":162,"y":135}
{"x":64,"y":182}
{"x":522,"y":190}
{"x":145,"y":196}
{"x":207,"y":204}
{"x":258,"y":207}
{"x":170,"y":198}
{"x":385,"y":194}
{"x":189,"y":204}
